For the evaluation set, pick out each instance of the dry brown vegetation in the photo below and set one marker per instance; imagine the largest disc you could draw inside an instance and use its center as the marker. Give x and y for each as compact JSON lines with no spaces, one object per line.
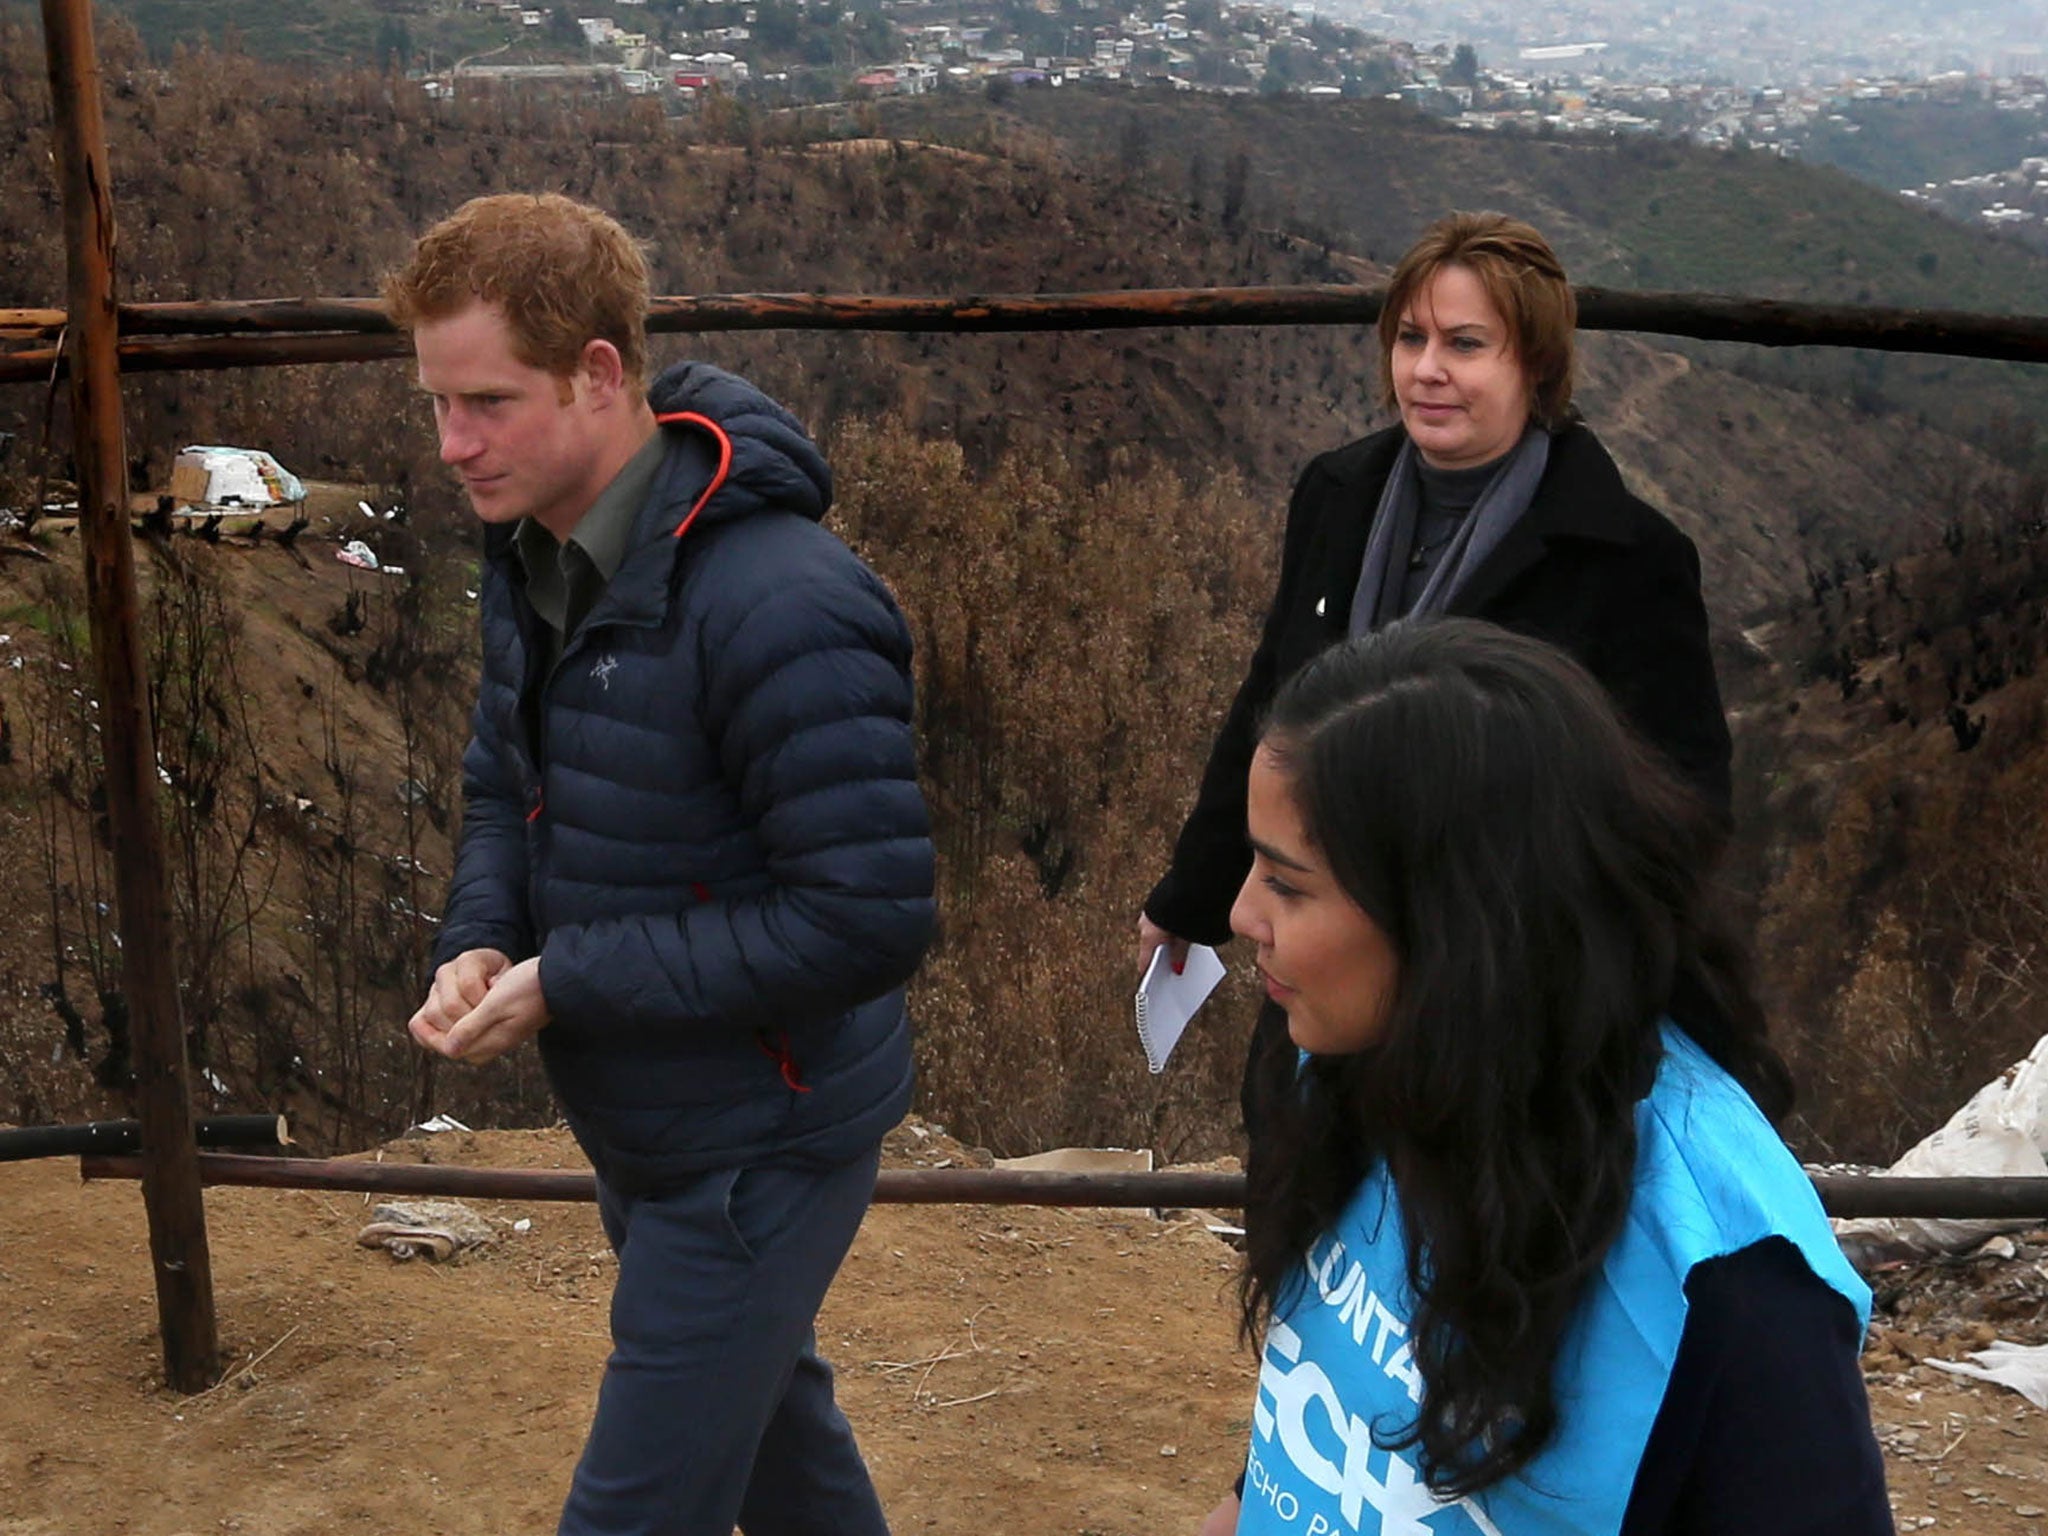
{"x":1082,"y":530}
{"x":1895,"y":768}
{"x":308,"y":722}
{"x":1074,"y":650}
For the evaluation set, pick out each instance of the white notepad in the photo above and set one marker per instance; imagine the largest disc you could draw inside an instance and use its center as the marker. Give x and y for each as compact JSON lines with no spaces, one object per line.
{"x":1166,"y":1002}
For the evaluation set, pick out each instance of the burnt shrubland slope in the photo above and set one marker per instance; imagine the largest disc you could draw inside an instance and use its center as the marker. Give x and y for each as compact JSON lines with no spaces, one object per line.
{"x":1081,"y":527}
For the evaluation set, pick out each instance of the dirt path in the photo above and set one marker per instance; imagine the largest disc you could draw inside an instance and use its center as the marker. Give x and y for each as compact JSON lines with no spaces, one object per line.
{"x":1024,"y":1371}
{"x":1029,"y":1369}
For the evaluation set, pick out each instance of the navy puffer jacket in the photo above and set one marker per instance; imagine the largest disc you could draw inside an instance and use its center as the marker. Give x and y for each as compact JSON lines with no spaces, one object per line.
{"x":706,"y":819}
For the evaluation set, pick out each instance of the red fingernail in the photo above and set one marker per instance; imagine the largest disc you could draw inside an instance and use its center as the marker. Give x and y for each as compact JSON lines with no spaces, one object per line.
{"x":1179,"y":966}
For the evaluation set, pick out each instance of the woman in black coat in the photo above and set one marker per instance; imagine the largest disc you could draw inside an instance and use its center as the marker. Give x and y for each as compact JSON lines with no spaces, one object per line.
{"x":1489,"y":500}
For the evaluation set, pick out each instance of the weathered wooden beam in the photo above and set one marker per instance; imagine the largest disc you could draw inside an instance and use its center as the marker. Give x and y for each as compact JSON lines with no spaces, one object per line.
{"x":212,"y":317}
{"x":22,"y":1143}
{"x":1841,"y":1194}
{"x":1777,"y":323}
{"x":1958,"y":1199}
{"x":197,"y":354}
{"x":1163,"y":1189}
{"x":1300,"y":305}
{"x":267,"y":333}
{"x":170,"y":1173}
{"x":899,"y":1186}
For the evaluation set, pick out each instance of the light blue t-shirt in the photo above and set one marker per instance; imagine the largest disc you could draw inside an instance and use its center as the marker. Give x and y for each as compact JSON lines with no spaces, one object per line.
{"x":1712,"y":1177}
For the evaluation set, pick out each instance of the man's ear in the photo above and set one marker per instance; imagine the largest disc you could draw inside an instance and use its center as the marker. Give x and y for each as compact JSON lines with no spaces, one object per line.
{"x":603,"y":370}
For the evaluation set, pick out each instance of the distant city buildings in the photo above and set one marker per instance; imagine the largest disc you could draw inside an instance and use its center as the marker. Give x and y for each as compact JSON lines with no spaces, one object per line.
{"x":1761,"y":75}
{"x":1747,"y":43}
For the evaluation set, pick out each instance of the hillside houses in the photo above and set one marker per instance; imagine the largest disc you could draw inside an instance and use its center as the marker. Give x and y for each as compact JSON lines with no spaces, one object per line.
{"x":1246,"y":48}
{"x":1583,"y":83}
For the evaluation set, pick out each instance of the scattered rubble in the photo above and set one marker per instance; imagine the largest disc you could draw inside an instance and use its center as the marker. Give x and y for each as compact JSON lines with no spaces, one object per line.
{"x":430,"y":1229}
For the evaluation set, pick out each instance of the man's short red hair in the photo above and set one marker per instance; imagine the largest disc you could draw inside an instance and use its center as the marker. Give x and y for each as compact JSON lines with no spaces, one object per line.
{"x":562,"y":273}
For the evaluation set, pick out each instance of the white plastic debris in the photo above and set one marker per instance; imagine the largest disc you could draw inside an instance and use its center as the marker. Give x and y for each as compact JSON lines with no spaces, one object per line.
{"x":223,"y":477}
{"x":441,"y":1123}
{"x":356,"y":552}
{"x":523,"y":1224}
{"x":2002,"y":1132}
{"x":2023,"y":1367}
{"x":1083,"y":1160}
{"x":366,"y":509}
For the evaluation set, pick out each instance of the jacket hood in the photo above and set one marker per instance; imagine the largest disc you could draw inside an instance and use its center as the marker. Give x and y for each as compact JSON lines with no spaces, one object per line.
{"x":774,"y":462}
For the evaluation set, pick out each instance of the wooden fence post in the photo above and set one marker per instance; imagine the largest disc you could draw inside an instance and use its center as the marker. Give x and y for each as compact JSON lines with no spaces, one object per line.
{"x":170,"y":1182}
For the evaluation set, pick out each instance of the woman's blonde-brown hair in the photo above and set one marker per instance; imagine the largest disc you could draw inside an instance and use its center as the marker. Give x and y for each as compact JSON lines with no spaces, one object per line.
{"x":1523,"y":280}
{"x":561,"y":272}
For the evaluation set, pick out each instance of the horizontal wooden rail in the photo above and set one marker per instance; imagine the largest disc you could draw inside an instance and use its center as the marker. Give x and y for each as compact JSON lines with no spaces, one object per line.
{"x":211,"y":317}
{"x":1951,"y":1199}
{"x":264,"y":333}
{"x":111,"y":1136}
{"x":1841,"y":1194}
{"x":895,"y":1186}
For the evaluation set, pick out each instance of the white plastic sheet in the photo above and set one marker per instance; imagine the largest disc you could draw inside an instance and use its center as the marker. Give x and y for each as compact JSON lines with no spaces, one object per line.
{"x":2002,"y":1132}
{"x":2023,"y":1367}
{"x":246,"y":477}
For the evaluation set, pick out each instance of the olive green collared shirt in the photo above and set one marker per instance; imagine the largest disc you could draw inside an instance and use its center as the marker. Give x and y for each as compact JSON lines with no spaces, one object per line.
{"x":565,"y":579}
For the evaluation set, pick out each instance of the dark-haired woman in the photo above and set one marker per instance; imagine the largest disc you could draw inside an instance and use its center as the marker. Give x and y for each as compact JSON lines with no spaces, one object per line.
{"x":1487,"y":499}
{"x":1524,"y":1255}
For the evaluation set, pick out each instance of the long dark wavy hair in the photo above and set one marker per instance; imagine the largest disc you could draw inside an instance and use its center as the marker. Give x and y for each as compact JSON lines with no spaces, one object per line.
{"x":1546,"y":884}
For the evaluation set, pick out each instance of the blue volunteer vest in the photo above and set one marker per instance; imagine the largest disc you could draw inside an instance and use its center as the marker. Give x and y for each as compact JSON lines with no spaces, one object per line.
{"x":1712,"y":1177}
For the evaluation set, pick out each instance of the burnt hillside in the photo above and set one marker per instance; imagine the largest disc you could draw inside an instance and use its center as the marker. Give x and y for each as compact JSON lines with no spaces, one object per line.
{"x":235,"y":180}
{"x":1082,"y":529}
{"x":1645,"y":212}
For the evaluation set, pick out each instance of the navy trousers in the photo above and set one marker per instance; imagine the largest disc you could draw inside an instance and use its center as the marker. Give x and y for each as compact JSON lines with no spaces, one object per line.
{"x":715,"y":1409}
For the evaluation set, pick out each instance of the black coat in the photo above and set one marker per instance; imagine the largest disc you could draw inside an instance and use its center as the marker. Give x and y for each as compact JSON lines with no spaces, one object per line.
{"x":1589,"y":567}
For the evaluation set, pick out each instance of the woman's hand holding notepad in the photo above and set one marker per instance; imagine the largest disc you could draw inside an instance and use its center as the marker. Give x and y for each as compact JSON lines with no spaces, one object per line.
{"x":1167,"y":999}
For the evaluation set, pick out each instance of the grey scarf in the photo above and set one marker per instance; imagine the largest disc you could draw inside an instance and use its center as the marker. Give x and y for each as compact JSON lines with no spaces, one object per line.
{"x":1377,"y":599}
